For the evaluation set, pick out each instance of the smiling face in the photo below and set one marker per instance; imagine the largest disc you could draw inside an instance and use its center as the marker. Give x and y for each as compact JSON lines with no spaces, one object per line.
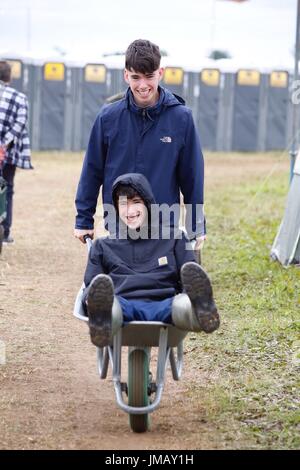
{"x":144,"y":86}
{"x":132,"y":212}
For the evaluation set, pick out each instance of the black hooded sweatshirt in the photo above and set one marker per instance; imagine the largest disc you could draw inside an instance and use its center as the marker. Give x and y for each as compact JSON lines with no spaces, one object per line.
{"x":140,"y":268}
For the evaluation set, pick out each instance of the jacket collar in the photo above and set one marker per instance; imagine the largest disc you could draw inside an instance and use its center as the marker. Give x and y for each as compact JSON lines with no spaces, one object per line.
{"x":166,"y":99}
{"x":150,"y":110}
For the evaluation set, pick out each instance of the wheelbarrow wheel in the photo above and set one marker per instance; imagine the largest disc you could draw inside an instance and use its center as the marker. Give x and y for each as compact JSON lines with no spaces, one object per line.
{"x":138,"y":378}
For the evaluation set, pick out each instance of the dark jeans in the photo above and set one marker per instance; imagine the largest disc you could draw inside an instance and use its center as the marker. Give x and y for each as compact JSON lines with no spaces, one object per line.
{"x":140,"y":310}
{"x":8,"y":173}
{"x":143,"y":310}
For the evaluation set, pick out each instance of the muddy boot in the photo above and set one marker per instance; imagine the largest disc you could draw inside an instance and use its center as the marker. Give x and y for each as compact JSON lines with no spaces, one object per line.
{"x":197,"y":286}
{"x":104,"y":311}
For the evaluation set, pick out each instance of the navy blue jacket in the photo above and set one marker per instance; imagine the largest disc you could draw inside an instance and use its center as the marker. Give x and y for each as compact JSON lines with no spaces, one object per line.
{"x":140,"y":268}
{"x":159,"y":142}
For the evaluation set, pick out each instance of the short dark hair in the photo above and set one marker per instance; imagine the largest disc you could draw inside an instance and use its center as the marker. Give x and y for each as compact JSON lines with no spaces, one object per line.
{"x":124,"y":190}
{"x":142,"y":56}
{"x":5,"y":71}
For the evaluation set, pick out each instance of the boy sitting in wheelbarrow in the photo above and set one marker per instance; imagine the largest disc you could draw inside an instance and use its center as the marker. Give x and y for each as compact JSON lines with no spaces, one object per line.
{"x":139,"y":274}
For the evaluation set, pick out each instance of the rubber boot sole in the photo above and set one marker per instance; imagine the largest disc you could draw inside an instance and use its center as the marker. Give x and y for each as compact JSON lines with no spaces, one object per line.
{"x":197,"y":286}
{"x":99,"y":305}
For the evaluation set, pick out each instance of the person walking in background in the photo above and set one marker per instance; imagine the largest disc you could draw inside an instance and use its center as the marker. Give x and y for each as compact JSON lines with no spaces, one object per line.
{"x":149,"y":131}
{"x":14,"y":139}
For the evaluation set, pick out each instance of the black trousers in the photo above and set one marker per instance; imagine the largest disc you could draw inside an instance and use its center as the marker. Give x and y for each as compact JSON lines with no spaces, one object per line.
{"x":8,"y":173}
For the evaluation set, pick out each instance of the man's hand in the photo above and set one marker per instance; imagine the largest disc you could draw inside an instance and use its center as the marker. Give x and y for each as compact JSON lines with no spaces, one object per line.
{"x":80,"y":233}
{"x":200,"y":242}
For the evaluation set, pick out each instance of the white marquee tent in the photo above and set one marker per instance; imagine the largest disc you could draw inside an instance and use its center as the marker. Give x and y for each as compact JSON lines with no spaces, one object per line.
{"x":286,"y":246}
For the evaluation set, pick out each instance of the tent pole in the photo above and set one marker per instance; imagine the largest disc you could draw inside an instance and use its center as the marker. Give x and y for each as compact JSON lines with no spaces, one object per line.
{"x":295,"y":117}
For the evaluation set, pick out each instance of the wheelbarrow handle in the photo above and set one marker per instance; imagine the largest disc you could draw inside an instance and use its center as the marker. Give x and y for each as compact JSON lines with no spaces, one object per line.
{"x":88,"y":240}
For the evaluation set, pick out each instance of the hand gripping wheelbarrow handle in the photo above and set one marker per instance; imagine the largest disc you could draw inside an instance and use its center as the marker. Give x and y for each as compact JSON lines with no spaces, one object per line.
{"x":88,"y":240}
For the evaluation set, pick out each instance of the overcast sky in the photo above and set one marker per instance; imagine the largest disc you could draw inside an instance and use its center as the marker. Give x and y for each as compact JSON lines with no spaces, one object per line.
{"x":261,"y":31}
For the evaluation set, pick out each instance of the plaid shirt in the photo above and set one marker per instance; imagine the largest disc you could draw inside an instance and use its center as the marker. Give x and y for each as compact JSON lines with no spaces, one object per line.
{"x":13,"y":126}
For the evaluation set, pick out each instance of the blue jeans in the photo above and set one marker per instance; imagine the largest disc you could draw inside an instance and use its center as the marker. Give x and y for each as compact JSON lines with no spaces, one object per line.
{"x":8,"y":174}
{"x":146,"y":310}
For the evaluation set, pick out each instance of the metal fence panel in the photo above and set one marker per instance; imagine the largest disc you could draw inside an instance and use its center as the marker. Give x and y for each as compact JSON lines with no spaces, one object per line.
{"x":191,"y":92}
{"x":246,"y":111}
{"x":52,"y":109}
{"x":173,"y":79}
{"x":94,"y":94}
{"x":225,"y":113}
{"x":277,"y":118}
{"x":209,"y":107}
{"x":116,"y":83}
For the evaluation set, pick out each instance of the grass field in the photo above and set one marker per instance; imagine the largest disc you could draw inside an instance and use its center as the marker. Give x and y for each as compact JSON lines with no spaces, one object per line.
{"x":252,"y":363}
{"x":240,"y":385}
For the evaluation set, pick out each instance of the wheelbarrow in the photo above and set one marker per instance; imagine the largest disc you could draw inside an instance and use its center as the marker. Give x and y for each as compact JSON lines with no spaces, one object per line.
{"x":141,"y":394}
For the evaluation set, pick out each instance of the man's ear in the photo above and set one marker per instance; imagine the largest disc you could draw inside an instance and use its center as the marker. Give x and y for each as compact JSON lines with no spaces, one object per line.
{"x":126,"y":76}
{"x":161,"y":73}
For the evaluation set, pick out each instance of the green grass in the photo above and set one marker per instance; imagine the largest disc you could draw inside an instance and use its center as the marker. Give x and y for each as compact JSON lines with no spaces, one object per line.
{"x":251,"y":365}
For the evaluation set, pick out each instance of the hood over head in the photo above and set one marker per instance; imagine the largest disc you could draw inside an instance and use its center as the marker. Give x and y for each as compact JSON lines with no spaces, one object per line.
{"x":139,"y":183}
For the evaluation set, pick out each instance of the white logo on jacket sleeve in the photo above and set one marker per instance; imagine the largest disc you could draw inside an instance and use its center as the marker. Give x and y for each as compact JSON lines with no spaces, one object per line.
{"x":166,"y":139}
{"x":162,"y":261}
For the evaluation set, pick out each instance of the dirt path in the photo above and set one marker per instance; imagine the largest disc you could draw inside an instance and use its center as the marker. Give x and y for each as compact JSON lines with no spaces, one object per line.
{"x":51,"y":396}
